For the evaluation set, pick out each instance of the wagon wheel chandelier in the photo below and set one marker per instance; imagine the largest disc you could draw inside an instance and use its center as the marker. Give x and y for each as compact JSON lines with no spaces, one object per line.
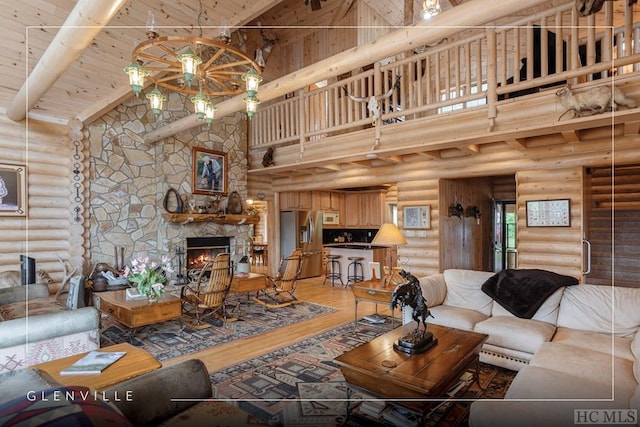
{"x":198,"y":67}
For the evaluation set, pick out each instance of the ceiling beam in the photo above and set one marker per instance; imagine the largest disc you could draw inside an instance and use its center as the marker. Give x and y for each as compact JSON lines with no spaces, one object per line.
{"x":81,"y":27}
{"x":469,"y":14}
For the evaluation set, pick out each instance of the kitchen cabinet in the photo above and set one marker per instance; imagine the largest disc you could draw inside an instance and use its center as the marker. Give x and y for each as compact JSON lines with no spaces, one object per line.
{"x":328,"y":201}
{"x":295,"y":200}
{"x":364,"y":209}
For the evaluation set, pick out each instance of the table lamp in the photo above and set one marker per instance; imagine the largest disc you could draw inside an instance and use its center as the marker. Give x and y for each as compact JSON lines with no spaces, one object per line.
{"x":389,"y":235}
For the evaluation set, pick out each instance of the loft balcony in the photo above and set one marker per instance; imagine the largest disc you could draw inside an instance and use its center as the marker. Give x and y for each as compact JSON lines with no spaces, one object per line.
{"x":491,"y":88}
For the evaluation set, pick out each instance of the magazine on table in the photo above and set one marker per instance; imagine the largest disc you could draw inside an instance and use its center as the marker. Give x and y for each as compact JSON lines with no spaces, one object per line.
{"x":93,"y":363}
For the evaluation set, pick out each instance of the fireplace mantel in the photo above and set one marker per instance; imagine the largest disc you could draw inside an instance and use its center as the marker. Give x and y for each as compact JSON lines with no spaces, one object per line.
{"x":236,"y":219}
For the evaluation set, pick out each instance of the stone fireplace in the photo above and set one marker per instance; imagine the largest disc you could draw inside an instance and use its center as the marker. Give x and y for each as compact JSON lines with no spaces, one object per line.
{"x":201,"y":250}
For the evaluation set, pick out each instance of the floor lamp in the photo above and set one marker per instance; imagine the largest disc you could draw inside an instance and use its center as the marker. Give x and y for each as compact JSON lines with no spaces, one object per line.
{"x":389,"y":235}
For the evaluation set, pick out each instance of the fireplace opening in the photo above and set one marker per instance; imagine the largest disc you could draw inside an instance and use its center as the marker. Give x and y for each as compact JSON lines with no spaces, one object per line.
{"x":201,"y":250}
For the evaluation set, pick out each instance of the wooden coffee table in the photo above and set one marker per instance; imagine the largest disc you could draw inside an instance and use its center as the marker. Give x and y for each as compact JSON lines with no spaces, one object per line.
{"x":411,"y":380}
{"x":136,"y":362}
{"x":139,"y":312}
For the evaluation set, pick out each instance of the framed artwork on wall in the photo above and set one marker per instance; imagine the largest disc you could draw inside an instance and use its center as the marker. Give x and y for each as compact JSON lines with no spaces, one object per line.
{"x":209,"y":172}
{"x":417,"y":217}
{"x":13,"y":190}
{"x":548,"y":213}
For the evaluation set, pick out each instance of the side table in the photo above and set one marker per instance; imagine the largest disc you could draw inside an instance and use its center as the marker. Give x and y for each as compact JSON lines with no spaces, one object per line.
{"x":372,"y":291}
{"x":136,"y":362}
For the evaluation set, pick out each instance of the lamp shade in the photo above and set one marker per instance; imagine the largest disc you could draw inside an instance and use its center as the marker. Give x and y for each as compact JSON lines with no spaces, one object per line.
{"x":389,"y":235}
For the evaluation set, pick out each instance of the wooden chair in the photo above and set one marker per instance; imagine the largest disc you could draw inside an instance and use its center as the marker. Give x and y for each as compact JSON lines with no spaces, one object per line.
{"x":207,"y":296}
{"x":281,"y":288}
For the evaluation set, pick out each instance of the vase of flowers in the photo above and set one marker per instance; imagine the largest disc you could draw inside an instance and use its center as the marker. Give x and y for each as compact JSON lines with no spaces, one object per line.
{"x":149,"y":276}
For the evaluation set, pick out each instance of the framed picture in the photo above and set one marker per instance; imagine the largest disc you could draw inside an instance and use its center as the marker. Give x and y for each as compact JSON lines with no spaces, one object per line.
{"x":417,"y":217}
{"x":209,"y":172}
{"x":13,"y":190}
{"x":548,"y":213}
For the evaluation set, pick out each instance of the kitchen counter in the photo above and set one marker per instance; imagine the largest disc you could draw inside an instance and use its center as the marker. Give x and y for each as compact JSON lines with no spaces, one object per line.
{"x":353,"y":245}
{"x":368,"y":252}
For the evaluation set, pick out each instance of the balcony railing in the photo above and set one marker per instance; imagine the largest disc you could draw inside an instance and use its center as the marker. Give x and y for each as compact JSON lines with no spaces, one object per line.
{"x":481,"y":70}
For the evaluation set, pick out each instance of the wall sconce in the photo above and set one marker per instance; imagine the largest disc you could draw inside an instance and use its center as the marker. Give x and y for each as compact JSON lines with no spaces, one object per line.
{"x":456,"y":210}
{"x":473,"y":211}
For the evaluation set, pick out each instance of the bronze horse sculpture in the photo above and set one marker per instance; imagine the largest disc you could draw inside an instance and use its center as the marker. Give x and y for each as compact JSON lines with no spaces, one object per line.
{"x":409,"y":293}
{"x":588,"y":7}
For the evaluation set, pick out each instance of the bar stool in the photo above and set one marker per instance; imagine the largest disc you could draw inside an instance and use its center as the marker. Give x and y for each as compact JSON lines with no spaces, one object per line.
{"x":353,"y":275}
{"x":333,"y":269}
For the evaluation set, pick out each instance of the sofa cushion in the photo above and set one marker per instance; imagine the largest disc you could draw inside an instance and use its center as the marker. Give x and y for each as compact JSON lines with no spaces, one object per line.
{"x":539,"y":382}
{"x":18,"y":383}
{"x":464,"y":290}
{"x":634,"y":402}
{"x":635,"y":349}
{"x":592,"y":308}
{"x":576,"y":362}
{"x":455,"y":317}
{"x":522,"y":292}
{"x":548,"y":311}
{"x":34,"y":306}
{"x":516,"y":333}
{"x":434,"y":289}
{"x":23,"y":293}
{"x":635,"y":345}
{"x":593,"y":341}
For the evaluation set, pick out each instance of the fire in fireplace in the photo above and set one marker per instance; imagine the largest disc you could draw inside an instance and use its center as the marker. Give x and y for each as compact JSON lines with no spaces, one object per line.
{"x":201,"y":250}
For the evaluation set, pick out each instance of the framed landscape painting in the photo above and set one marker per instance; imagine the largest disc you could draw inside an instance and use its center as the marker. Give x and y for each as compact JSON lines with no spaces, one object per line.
{"x":209,"y":172}
{"x":13,"y":190}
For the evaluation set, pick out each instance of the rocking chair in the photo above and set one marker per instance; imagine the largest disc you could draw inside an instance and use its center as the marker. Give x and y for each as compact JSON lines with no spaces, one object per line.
{"x":207,"y":296}
{"x":280,"y":289}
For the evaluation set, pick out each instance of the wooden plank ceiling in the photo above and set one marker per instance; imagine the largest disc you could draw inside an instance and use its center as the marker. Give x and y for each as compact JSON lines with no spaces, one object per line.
{"x":95,"y":82}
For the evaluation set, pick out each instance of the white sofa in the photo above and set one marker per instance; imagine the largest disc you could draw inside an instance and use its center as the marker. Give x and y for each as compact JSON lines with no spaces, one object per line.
{"x":581,"y":350}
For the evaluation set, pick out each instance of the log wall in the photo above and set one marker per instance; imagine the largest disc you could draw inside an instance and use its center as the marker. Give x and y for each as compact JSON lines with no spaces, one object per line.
{"x":552,"y":248}
{"x":53,"y":229}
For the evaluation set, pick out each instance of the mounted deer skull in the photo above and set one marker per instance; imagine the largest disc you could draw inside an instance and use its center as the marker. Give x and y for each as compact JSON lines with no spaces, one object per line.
{"x":588,"y":7}
{"x":374,"y":102}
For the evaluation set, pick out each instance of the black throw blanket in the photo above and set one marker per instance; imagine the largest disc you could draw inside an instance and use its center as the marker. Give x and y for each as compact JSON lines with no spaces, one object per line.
{"x":522,"y":292}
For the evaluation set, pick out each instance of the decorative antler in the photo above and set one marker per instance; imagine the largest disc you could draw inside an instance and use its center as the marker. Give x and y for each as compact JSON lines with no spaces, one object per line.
{"x":373,"y":102}
{"x":67,"y":275}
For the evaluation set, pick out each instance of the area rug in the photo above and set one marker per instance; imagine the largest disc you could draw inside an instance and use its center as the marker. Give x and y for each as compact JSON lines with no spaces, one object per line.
{"x":175,"y":338}
{"x":300,"y":385}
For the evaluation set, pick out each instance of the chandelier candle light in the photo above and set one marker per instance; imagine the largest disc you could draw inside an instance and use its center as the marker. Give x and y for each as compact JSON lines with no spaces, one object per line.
{"x":389,"y":235}
{"x":430,"y":8}
{"x":198,"y":67}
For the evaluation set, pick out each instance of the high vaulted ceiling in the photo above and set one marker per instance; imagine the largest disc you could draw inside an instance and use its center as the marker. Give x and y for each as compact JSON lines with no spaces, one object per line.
{"x":92,"y":81}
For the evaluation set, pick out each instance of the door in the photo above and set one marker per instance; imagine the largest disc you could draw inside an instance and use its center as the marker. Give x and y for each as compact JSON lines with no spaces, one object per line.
{"x":612,"y":230}
{"x":504,"y":235}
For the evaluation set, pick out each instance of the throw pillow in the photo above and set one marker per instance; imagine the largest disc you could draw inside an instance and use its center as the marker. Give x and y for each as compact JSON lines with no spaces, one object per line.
{"x":60,"y":407}
{"x":522,"y":292}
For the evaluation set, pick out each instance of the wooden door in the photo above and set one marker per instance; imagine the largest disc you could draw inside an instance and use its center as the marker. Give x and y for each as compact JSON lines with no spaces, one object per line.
{"x":612,"y":229}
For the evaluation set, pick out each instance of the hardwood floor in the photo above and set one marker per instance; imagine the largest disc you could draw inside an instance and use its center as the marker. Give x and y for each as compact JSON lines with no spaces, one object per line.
{"x":310,"y":290}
